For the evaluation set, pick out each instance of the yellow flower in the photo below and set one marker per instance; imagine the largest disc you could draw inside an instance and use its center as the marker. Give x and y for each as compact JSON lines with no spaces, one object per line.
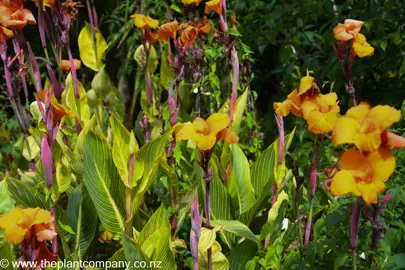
{"x":361,"y":47}
{"x":349,"y":30}
{"x":214,"y":5}
{"x":321,"y":113}
{"x":189,"y":2}
{"x":5,"y":34}
{"x":144,"y":22}
{"x":20,"y":224}
{"x":291,"y":104}
{"x":364,"y":127}
{"x":206,"y":133}
{"x":363,"y":174}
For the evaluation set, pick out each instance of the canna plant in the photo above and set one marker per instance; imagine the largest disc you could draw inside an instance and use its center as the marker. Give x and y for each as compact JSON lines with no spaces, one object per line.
{"x":185,"y":184}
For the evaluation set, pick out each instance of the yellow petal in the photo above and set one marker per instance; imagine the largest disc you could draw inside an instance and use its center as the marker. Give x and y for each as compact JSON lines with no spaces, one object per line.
{"x":217,"y":122}
{"x":383,"y":164}
{"x":10,"y":219}
{"x":344,"y":130}
{"x":307,"y":107}
{"x":320,"y":123}
{"x":343,"y":182}
{"x":201,"y":125}
{"x":368,"y":141}
{"x":152,"y":23}
{"x":214,"y":5}
{"x":15,"y":235}
{"x":340,"y":32}
{"x":361,"y":47}
{"x":384,"y":116}
{"x":42,"y":216}
{"x":359,"y":112}
{"x":370,"y":191}
{"x":186,"y":131}
{"x":206,"y":142}
{"x":305,"y":84}
{"x":282,"y":108}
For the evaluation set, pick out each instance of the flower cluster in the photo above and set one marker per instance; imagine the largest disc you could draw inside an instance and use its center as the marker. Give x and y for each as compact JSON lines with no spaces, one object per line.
{"x":320,"y":111}
{"x":188,"y":33}
{"x":350,"y":30}
{"x":365,"y":169}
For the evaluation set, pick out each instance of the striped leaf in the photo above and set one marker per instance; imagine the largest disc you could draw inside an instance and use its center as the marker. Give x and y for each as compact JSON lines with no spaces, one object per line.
{"x":240,"y":165}
{"x":25,"y":195}
{"x":83,"y":217}
{"x":155,"y":239}
{"x":264,"y":167}
{"x":237,"y":228}
{"x":241,"y":254}
{"x":102,"y":183}
{"x":132,"y":251}
{"x":150,"y":154}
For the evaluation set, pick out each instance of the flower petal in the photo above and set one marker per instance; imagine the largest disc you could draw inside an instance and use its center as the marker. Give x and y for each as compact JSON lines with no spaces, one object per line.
{"x":359,"y":112}
{"x":356,"y":163}
{"x":368,"y":141}
{"x":320,"y":123}
{"x":10,"y":219}
{"x":370,"y":191}
{"x":392,"y":140}
{"x":282,"y":108}
{"x":344,"y":130}
{"x":383,"y":164}
{"x":343,"y":182}
{"x":307,"y":107}
{"x":201,"y":125}
{"x":206,"y":142}
{"x":295,"y":101}
{"x":185,"y":131}
{"x":384,"y":116}
{"x":361,"y":47}
{"x":305,"y":84}
{"x":340,"y":33}
{"x":217,"y":122}
{"x":15,"y":235}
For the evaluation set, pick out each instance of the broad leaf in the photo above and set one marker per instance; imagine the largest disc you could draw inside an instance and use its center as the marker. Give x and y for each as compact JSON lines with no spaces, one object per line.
{"x":83,"y":217}
{"x":240,"y":107}
{"x":241,"y":254}
{"x":244,"y":186}
{"x":102,"y":183}
{"x":80,"y":107}
{"x":236,"y":227}
{"x":91,"y":54}
{"x":207,"y":240}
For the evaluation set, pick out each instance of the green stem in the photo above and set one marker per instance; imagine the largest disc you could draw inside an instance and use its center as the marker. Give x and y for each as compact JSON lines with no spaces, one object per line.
{"x":354,"y":259}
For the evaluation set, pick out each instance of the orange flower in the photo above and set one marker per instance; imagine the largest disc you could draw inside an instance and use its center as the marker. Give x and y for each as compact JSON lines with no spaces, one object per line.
{"x":321,"y":113}
{"x":20,"y":224}
{"x":364,"y":127}
{"x":291,"y":104}
{"x":206,"y":133}
{"x":66,"y":64}
{"x":349,"y":30}
{"x":363,"y":174}
{"x":361,"y":47}
{"x":58,"y":110}
{"x":203,"y":27}
{"x":167,"y":30}
{"x":188,"y":35}
{"x":144,"y":22}
{"x":5,"y":34}
{"x":14,"y":17}
{"x":189,"y":2}
{"x":214,"y":5}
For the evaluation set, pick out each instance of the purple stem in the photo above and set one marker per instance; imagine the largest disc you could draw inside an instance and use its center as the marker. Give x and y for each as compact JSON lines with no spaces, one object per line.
{"x":74,"y":74}
{"x":55,"y":239}
{"x":47,"y":161}
{"x":34,"y":65}
{"x":354,"y":231}
{"x":207,"y":204}
{"x":235,"y":82}
{"x":196,"y":221}
{"x":41,"y":24}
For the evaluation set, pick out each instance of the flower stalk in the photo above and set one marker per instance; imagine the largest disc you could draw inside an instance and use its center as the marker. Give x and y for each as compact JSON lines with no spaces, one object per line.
{"x":354,"y":231}
{"x":196,"y":221}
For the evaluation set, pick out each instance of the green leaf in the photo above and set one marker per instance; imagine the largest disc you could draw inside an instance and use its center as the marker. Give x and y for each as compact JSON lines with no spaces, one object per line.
{"x":6,"y":253}
{"x":102,"y":183}
{"x":240,"y":165}
{"x":167,"y":75}
{"x":123,"y":142}
{"x":207,"y":240}
{"x":6,"y":203}
{"x":140,"y":57}
{"x":155,"y":238}
{"x":90,"y":57}
{"x":402,"y":68}
{"x":240,"y":107}
{"x":63,"y":176}
{"x":233,"y":32}
{"x":175,"y":8}
{"x":80,"y":107}
{"x":133,"y":252}
{"x":30,"y":148}
{"x":236,"y":227}
{"x":102,"y":84}
{"x":24,"y":195}
{"x":264,"y":167}
{"x":150,"y":154}
{"x":83,"y":217}
{"x":241,"y":254}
